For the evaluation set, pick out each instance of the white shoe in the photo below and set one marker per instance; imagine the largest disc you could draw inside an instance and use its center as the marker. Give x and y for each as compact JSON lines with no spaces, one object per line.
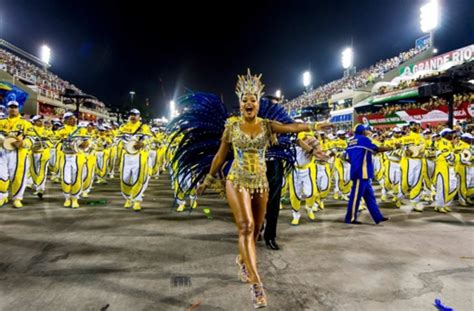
{"x":310,"y":213}
{"x":181,"y":208}
{"x":296,"y":218}
{"x":418,"y":207}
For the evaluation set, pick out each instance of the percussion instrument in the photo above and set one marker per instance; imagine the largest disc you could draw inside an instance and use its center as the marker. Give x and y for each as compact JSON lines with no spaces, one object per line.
{"x":467,"y":157}
{"x":70,"y":146}
{"x":8,"y":143}
{"x":39,"y":144}
{"x":130,"y":145}
{"x":415,"y":151}
{"x":395,"y":155}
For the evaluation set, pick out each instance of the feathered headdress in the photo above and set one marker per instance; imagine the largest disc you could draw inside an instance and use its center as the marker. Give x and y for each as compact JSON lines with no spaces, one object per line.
{"x":248,"y":84}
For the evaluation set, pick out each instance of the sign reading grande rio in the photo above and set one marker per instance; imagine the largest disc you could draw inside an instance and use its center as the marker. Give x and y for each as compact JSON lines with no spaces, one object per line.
{"x":455,"y":57}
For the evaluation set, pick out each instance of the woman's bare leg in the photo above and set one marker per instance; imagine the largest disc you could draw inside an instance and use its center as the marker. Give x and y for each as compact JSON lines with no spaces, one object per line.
{"x":240,"y":204}
{"x":259,"y":208}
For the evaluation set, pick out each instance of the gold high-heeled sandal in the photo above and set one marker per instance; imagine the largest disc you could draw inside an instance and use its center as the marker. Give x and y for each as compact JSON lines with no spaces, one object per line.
{"x":259,"y":298}
{"x":242,"y":273}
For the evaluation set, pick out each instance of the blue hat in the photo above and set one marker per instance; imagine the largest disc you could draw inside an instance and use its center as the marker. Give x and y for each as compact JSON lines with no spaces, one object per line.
{"x":446,"y":131}
{"x":360,"y":128}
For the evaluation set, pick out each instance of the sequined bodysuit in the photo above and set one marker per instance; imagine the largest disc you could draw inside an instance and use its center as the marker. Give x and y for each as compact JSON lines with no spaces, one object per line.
{"x":249,"y":169}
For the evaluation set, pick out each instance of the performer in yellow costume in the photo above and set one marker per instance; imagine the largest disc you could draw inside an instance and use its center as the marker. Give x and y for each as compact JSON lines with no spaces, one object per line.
{"x":392,"y":165}
{"x":134,"y":172}
{"x":88,"y":171}
{"x":39,"y":155}
{"x":342,"y":167}
{"x":102,"y":153}
{"x":155,"y":143}
{"x":302,"y":181}
{"x":14,"y":165}
{"x":445,"y":174}
{"x":114,"y":157}
{"x":71,"y":160}
{"x":379,"y":165}
{"x":55,"y":151}
{"x":411,"y":166}
{"x":323,"y":172}
{"x":181,"y":182}
{"x":465,"y":169}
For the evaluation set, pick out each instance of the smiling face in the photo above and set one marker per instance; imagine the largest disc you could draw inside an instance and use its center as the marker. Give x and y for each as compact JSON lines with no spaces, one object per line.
{"x":249,"y":106}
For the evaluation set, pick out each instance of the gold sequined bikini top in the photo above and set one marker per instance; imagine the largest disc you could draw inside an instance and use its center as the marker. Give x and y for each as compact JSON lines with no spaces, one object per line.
{"x":249,"y":169}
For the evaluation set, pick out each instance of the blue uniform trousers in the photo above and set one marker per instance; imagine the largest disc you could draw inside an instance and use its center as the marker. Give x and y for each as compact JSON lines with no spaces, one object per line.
{"x":362,"y":188}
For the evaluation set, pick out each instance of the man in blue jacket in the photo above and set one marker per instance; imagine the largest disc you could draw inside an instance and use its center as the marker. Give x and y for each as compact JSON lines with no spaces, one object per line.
{"x":359,"y":150}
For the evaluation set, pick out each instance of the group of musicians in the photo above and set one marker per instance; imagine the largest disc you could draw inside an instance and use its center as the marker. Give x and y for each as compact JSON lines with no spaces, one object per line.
{"x":76,"y":156}
{"x":423,"y":168}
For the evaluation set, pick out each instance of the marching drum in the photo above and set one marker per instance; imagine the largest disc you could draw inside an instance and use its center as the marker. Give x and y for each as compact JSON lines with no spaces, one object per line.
{"x":8,"y":143}
{"x":395,"y":155}
{"x":130,"y":143}
{"x":467,"y":157}
{"x":415,"y":151}
{"x":70,"y":146}
{"x":130,"y":147}
{"x":38,"y":145}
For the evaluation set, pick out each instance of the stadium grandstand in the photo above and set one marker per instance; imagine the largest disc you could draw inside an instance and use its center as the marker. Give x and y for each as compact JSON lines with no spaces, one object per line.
{"x":395,"y":91}
{"x":46,"y":91}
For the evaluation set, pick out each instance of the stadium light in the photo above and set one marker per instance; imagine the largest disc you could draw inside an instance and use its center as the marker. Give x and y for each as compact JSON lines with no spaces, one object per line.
{"x":429,"y":16}
{"x":306,"y":79}
{"x":278,"y":93}
{"x":172,"y":109}
{"x":45,"y":54}
{"x":347,"y":58}
{"x":435,"y":50}
{"x":132,"y":94}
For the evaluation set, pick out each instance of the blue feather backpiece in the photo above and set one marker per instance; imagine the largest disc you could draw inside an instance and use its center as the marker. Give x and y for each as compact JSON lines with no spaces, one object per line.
{"x":196,"y":132}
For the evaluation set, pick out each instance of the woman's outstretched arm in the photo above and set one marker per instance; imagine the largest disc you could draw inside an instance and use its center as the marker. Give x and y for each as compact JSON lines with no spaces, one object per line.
{"x":280,"y":128}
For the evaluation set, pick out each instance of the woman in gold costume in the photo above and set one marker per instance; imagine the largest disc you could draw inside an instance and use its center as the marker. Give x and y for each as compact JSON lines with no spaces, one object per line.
{"x":246,"y":185}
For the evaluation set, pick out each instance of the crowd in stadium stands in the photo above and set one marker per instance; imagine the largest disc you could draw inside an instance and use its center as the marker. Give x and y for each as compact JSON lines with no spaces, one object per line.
{"x":433,"y":103}
{"x":48,"y":84}
{"x":360,"y":79}
{"x":401,"y":86}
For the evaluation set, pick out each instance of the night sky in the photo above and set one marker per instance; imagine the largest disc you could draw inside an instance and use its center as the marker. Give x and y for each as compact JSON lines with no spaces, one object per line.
{"x":108,"y":49}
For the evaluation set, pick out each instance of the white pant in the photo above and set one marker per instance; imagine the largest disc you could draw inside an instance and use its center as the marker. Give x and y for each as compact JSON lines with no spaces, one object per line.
{"x":131,"y":173}
{"x":100,"y":160}
{"x":414,"y":177}
{"x":12,"y":165}
{"x":69,"y":174}
{"x":430,"y":167}
{"x":151,"y":159}
{"x":3,"y":172}
{"x":394,"y":173}
{"x":52,"y":156}
{"x":184,"y":182}
{"x":37,"y":166}
{"x":440,"y":200}
{"x":346,"y":175}
{"x":322,"y":179}
{"x":302,"y":183}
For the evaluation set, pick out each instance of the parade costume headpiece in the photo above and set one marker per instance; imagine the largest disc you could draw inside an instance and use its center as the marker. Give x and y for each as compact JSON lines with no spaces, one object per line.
{"x":249,"y":84}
